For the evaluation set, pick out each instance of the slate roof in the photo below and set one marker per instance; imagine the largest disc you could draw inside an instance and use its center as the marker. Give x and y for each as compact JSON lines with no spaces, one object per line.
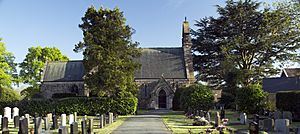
{"x":155,"y":62}
{"x":273,"y":85}
{"x":290,"y":72}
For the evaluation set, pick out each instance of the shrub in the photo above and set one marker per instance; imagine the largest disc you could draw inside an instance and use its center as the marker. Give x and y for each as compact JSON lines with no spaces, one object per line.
{"x":289,"y":101}
{"x":196,"y":97}
{"x":251,"y":99}
{"x":63,"y":95}
{"x":8,"y":95}
{"x":176,"y":99}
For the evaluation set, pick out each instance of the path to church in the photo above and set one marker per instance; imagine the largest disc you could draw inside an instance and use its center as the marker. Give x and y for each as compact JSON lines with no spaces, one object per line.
{"x":150,"y":123}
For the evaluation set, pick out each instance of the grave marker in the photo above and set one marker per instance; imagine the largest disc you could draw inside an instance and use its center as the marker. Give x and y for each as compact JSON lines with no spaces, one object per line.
{"x":268,"y":124}
{"x":7,"y":113}
{"x":91,"y":124}
{"x":37,"y":125}
{"x":23,"y":126}
{"x":243,"y":118}
{"x":46,"y":123}
{"x":83,"y":126}
{"x":110,"y":118}
{"x":4,"y":124}
{"x":71,"y":119}
{"x":54,"y":122}
{"x":16,"y":121}
{"x":74,"y":128}
{"x":287,"y":115}
{"x":63,"y":130}
{"x":63,"y":120}
{"x":282,"y":126}
{"x":217,"y":120}
{"x":277,"y":115}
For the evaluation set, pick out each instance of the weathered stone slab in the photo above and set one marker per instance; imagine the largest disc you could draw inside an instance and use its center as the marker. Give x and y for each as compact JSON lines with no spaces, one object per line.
{"x":63,"y":130}
{"x":7,"y":113}
{"x":37,"y":125}
{"x":268,"y":124}
{"x":91,"y":124}
{"x":277,"y":115}
{"x":74,"y":128}
{"x":71,"y":119}
{"x":243,"y":118}
{"x":287,"y":115}
{"x":16,"y":121}
{"x":4,"y":124}
{"x":63,"y":120}
{"x":54,"y":122}
{"x":282,"y":126}
{"x":23,"y":126}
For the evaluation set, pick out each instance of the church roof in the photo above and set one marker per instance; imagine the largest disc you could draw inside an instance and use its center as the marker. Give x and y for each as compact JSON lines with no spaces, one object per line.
{"x":290,"y":72}
{"x":155,"y":62}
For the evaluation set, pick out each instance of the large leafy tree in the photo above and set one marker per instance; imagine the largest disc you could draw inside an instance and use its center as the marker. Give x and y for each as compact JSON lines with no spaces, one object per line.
{"x":241,"y":45}
{"x":7,"y":67}
{"x":108,"y":53}
{"x":33,"y":65}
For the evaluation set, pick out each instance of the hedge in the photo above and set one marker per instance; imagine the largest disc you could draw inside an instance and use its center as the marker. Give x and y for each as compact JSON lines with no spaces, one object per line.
{"x":81,"y":105}
{"x":289,"y":101}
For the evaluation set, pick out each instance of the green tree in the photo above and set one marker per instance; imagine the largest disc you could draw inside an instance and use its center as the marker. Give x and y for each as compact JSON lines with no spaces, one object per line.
{"x":8,"y":95}
{"x":7,"y":67}
{"x":33,"y":65}
{"x":108,"y":53}
{"x":249,"y":39}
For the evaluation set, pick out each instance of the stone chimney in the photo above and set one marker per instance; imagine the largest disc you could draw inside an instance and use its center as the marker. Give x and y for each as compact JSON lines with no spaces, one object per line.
{"x":186,"y":46}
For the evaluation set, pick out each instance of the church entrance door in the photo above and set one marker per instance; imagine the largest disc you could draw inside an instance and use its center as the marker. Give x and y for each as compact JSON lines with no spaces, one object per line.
{"x":162,"y":99}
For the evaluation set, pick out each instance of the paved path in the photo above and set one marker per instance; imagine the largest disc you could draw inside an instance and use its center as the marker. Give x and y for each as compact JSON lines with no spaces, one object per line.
{"x":143,"y":124}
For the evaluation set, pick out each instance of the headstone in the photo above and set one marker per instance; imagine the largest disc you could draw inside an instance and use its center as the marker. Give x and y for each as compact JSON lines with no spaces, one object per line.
{"x":63,"y":120}
{"x":268,"y":125}
{"x":23,"y":126}
{"x":83,"y":126}
{"x":71,"y":119}
{"x":46,"y":123}
{"x":74,"y":128}
{"x":101,"y":121}
{"x":277,"y":115}
{"x":54,"y":122}
{"x":75,"y":116}
{"x":16,"y":121}
{"x":15,"y":112}
{"x":4,"y":124}
{"x":282,"y":126}
{"x":222,"y":116}
{"x":110,"y":118}
{"x":0,"y":119}
{"x":201,"y":114}
{"x":63,"y":130}
{"x":7,"y":113}
{"x":297,"y":130}
{"x":37,"y":125}
{"x":27,"y":116}
{"x":217,"y":120}
{"x":243,"y":118}
{"x":287,"y":115}
{"x":91,"y":124}
{"x":208,"y":116}
{"x":49,"y":116}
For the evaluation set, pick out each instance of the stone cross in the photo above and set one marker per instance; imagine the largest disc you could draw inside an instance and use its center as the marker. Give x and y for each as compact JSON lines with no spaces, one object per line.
{"x":74,"y":128}
{"x":7,"y":113}
{"x":282,"y":126}
{"x":71,"y":119}
{"x":243,"y":118}
{"x":23,"y":126}
{"x":37,"y":125}
{"x":217,"y":120}
{"x":16,"y":121}
{"x":63,"y":120}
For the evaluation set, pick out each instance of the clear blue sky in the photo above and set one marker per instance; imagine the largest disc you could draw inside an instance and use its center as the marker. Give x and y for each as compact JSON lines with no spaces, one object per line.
{"x":54,"y":23}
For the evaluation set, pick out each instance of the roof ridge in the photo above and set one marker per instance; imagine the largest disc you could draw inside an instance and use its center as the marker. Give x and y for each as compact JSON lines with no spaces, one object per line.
{"x":66,"y":61}
{"x":160,"y":47}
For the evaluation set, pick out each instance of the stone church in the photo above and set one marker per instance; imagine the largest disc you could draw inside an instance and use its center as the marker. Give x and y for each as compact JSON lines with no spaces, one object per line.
{"x":162,"y":71}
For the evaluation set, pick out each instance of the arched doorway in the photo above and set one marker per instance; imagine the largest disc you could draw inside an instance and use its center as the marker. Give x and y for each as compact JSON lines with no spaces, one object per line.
{"x":162,"y":99}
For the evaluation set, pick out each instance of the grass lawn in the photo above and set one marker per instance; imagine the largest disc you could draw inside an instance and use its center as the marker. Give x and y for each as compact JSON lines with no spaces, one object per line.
{"x":106,"y":130}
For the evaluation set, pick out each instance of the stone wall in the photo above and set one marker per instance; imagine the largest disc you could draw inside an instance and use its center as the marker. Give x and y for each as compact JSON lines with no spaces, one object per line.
{"x":50,"y":88}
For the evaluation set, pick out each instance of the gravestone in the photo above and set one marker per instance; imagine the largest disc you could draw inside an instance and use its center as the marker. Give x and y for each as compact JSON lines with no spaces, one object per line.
{"x":16,"y":121}
{"x":0,"y":119}
{"x":91,"y":124}
{"x":63,"y":130}
{"x":83,"y":126}
{"x":15,"y":112}
{"x":71,"y":119}
{"x":23,"y":126}
{"x":217,"y":120}
{"x":63,"y":120}
{"x":7,"y":113}
{"x":287,"y":115}
{"x":4,"y":124}
{"x":75,"y":116}
{"x":37,"y":125}
{"x":297,"y":130}
{"x":268,"y":124}
{"x":222,"y":116}
{"x":201,"y":114}
{"x":49,"y":116}
{"x":74,"y":128}
{"x":243,"y":118}
{"x":277,"y":115}
{"x":101,"y":121}
{"x":27,"y":116}
{"x":46,"y":123}
{"x":282,"y":126}
{"x":54,"y":122}
{"x":208,"y":116}
{"x":110,"y":118}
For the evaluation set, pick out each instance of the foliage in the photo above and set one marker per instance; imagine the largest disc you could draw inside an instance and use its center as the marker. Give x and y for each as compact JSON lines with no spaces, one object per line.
{"x":81,"y":105}
{"x":108,"y":53}
{"x":196,"y":97}
{"x":251,"y":99}
{"x":289,"y":101}
{"x":8,"y":95}
{"x":176,"y":99}
{"x":33,"y":65}
{"x":244,"y":40}
{"x":7,"y":67}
